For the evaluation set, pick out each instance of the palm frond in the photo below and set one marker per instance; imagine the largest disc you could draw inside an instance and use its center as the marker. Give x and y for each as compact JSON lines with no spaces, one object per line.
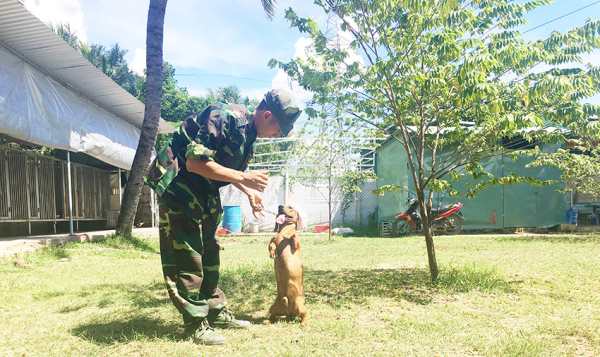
{"x":269,"y":7}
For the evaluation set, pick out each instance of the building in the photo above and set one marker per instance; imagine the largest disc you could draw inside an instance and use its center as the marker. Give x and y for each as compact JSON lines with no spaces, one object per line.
{"x":65,"y":127}
{"x":496,"y":207}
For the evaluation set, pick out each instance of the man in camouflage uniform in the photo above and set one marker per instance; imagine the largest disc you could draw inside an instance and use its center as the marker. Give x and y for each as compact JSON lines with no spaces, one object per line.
{"x":207,"y":152}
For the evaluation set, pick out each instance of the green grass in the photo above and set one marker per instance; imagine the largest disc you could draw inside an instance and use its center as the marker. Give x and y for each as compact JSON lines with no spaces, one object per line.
{"x":497,"y":295}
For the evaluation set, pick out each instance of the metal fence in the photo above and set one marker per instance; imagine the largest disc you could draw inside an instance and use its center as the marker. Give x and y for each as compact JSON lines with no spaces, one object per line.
{"x":33,"y":188}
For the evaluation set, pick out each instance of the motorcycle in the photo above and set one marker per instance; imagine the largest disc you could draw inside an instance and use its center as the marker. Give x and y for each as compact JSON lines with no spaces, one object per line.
{"x":446,"y":219}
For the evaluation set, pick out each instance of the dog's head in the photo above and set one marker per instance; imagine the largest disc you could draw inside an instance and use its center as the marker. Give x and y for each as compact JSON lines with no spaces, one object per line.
{"x":291,"y":215}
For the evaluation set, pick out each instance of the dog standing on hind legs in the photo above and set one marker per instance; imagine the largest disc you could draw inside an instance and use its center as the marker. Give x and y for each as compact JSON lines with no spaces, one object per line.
{"x":284,"y":248}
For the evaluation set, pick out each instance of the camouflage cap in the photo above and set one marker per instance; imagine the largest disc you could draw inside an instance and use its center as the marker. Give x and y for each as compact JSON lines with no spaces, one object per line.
{"x":280,"y":103}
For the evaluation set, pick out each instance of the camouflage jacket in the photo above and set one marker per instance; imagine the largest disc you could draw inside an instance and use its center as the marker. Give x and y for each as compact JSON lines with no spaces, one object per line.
{"x":222,"y":133}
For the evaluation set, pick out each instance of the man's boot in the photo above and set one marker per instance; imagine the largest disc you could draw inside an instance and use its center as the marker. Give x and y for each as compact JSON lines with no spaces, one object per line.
{"x":204,"y":334}
{"x":226,"y":319}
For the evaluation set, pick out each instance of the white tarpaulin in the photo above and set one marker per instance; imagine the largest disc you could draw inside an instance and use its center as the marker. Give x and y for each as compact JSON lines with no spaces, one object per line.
{"x":37,"y":109}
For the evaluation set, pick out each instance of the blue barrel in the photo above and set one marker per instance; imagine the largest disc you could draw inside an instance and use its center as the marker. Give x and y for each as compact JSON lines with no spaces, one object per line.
{"x":232,"y":218}
{"x":572,"y":216}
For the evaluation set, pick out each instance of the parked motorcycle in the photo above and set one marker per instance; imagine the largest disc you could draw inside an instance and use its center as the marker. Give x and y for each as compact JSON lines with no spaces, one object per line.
{"x":446,"y":219}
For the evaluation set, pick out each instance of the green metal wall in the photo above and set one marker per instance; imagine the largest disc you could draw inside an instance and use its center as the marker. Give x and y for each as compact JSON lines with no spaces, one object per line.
{"x":500,"y":206}
{"x":391,"y":170}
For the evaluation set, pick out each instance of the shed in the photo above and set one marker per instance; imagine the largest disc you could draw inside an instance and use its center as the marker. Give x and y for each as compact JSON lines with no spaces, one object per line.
{"x":496,"y":207}
{"x":52,"y":97}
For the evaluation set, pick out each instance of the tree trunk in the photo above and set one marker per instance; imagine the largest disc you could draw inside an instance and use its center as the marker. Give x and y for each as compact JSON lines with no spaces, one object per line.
{"x":329,"y":203}
{"x":425,"y":208}
{"x":153,"y":95}
{"x":433,"y":267}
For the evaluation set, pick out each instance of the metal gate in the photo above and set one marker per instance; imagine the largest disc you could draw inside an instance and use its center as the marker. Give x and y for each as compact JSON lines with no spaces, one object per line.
{"x":34,"y":188}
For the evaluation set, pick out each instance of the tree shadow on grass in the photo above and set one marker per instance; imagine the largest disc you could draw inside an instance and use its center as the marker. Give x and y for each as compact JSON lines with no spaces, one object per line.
{"x":142,"y":296}
{"x":338,"y":288}
{"x":107,"y":331}
{"x":253,"y":290}
{"x":127,"y":329}
{"x":552,"y":238}
{"x":250,"y":292}
{"x":72,"y":308}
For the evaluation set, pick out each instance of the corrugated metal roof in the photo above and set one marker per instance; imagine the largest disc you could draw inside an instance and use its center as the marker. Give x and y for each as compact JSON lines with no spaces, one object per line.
{"x":36,"y":43}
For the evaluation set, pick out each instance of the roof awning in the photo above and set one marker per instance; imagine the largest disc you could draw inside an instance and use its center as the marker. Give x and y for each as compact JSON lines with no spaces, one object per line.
{"x":52,"y":96}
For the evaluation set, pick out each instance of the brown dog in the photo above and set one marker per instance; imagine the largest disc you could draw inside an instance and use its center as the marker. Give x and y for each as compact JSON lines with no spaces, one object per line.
{"x":289,"y":273}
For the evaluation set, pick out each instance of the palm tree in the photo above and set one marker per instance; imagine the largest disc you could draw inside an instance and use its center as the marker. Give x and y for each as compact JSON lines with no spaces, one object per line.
{"x":153,"y":95}
{"x":69,"y":36}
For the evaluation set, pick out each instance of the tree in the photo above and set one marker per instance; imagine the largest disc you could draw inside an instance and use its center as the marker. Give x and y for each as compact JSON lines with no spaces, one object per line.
{"x":112,"y":61}
{"x":352,"y":183}
{"x":69,"y":36}
{"x":176,"y":104}
{"x":230,"y":94}
{"x":327,"y":156}
{"x":153,"y":94}
{"x":455,"y":78}
{"x":579,"y":164}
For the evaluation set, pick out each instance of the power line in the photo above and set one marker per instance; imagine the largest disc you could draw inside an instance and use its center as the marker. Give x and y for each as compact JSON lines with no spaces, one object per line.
{"x":220,"y":75}
{"x":266,"y":81}
{"x":562,"y":16}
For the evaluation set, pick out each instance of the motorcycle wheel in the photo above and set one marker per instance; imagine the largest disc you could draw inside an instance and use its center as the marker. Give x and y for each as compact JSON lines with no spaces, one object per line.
{"x":457,"y":224}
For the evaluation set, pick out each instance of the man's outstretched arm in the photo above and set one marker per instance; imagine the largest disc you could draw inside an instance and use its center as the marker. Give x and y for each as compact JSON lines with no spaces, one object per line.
{"x":256,"y":180}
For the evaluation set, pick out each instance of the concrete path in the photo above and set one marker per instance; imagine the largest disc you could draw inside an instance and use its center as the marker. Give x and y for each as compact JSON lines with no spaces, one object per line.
{"x":14,"y":245}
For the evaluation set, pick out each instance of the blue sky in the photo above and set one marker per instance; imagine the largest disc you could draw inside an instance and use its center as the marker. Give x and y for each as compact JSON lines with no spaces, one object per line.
{"x":229,"y":42}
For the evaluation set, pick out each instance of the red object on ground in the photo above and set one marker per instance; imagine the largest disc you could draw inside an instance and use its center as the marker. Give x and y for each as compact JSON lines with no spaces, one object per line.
{"x":222,"y":232}
{"x":320,"y":228}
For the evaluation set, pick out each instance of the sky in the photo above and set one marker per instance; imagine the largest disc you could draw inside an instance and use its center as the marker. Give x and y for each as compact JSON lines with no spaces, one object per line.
{"x":229,"y":42}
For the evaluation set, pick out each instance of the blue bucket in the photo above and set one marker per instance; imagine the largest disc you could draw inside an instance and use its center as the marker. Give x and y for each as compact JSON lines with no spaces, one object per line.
{"x":571,"y":215}
{"x":232,"y":218}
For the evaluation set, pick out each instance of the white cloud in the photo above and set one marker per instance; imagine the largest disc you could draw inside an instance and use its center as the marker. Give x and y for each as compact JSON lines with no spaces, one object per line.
{"x":189,"y":49}
{"x":137,"y":62}
{"x":344,"y":40}
{"x":302,"y":50}
{"x":58,"y":12}
{"x":254,"y":93}
{"x":592,"y":58}
{"x":283,"y":81}
{"x":198,"y":92}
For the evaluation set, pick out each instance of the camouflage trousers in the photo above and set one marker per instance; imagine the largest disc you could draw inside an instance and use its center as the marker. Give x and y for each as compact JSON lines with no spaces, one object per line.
{"x":189,"y":253}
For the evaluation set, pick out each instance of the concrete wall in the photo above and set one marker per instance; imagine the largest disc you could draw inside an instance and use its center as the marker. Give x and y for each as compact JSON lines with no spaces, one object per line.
{"x":311,"y":200}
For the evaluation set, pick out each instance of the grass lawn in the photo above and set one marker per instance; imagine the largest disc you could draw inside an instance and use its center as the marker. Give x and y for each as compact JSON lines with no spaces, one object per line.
{"x":497,"y":295}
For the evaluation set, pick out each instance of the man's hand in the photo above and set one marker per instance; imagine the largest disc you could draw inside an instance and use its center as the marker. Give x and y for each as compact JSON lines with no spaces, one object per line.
{"x":256,"y":180}
{"x":256,"y":204}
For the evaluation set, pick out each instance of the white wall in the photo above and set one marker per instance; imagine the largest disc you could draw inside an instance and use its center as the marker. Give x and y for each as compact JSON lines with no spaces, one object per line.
{"x":309,"y":200}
